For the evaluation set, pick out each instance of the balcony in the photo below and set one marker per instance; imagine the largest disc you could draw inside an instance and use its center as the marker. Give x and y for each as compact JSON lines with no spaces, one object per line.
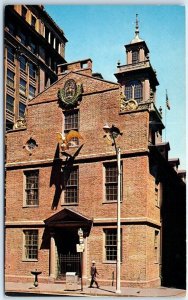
{"x":133,"y":67}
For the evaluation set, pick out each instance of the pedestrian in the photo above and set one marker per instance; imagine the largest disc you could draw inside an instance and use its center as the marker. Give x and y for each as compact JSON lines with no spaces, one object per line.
{"x":94,"y":274}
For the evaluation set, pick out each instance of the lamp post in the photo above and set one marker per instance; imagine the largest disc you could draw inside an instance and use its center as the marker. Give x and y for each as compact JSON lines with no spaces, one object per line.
{"x":81,"y":241}
{"x":113,"y":133}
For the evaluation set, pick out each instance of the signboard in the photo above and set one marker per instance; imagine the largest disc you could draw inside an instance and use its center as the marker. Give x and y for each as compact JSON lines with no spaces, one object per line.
{"x":80,"y":247}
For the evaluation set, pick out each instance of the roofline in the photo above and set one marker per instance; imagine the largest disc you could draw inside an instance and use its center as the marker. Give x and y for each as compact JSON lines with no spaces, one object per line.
{"x":73,"y":62}
{"x":137,"y":43}
{"x":42,"y":10}
{"x":64,"y":75}
{"x":78,"y":73}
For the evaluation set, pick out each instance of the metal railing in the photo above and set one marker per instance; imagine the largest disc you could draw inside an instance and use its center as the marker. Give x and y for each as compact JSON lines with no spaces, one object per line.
{"x":69,"y":263}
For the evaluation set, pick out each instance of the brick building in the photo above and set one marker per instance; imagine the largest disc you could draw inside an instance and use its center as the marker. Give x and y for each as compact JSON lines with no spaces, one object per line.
{"x":33,"y":47}
{"x":52,"y":193}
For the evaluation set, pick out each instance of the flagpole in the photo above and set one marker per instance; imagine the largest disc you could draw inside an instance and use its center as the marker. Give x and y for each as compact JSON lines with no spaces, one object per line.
{"x":166,"y":106}
{"x":165,"y":123}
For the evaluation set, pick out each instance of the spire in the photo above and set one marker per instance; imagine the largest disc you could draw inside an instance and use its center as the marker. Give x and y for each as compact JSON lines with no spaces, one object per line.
{"x":136,"y":38}
{"x":137,"y":27}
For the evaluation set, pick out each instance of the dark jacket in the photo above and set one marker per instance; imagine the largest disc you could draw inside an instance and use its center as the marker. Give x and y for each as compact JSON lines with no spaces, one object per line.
{"x":93,"y":271}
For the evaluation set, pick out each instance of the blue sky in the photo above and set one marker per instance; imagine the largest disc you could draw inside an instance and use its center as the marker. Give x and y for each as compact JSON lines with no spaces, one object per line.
{"x":100,"y":32}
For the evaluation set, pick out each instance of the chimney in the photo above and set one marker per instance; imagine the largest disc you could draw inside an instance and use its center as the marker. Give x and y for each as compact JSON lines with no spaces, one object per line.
{"x":81,"y":66}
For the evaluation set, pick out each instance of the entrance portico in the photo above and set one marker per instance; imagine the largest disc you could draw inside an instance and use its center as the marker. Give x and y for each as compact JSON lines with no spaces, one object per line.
{"x":63,"y":228}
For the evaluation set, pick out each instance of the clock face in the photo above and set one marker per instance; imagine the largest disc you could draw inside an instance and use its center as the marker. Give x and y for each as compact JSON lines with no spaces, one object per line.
{"x":70,"y":89}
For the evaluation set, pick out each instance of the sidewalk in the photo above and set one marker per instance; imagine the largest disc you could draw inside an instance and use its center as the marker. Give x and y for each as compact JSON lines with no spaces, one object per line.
{"x":60,"y":289}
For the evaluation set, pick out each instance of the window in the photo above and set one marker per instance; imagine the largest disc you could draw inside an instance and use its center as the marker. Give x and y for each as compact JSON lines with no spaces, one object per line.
{"x":11,"y":28}
{"x":133,"y":90}
{"x":53,"y":65}
{"x":33,"y":47}
{"x":111,"y":182}
{"x":22,"y":107}
{"x":24,"y":12}
{"x":31,"y":188}
{"x":10,"y":54}
{"x":22,"y":37}
{"x":33,"y":21}
{"x":128,"y":92}
{"x":111,"y":244}
{"x":32,"y":91}
{"x":32,"y":70}
{"x":10,"y":78}
{"x":156,"y":246}
{"x":31,"y":244}
{"x":52,"y":40}
{"x":9,"y":125}
{"x":23,"y":63}
{"x":46,"y":33}
{"x":135,"y":58}
{"x":138,"y":91}
{"x":71,"y":185}
{"x":156,"y":195}
{"x":10,"y":103}
{"x":71,"y":123}
{"x":22,"y":86}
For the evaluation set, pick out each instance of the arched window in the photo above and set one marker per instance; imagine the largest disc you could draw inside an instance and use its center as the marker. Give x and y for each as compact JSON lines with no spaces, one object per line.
{"x":133,"y":90}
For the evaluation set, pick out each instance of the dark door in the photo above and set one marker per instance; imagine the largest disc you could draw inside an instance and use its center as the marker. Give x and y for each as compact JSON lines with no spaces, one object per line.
{"x":68,"y":258}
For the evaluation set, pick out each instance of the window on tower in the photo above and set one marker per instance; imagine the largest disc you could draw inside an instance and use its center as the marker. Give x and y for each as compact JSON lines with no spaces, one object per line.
{"x":128,"y":91}
{"x":133,"y":90}
{"x":135,"y":57}
{"x":138,"y":91}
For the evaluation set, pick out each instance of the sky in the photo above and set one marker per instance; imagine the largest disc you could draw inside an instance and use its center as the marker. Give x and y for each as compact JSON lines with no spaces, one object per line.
{"x":100,"y":32}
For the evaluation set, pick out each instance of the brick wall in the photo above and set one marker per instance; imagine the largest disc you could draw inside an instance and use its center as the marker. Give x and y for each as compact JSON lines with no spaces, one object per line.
{"x":100,"y":104}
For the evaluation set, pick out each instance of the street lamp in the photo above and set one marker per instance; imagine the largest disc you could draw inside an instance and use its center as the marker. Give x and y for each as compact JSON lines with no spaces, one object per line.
{"x":112,"y":133}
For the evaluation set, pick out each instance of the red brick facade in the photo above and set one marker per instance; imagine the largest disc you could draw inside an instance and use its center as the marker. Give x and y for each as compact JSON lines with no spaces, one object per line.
{"x":57,"y":222}
{"x":139,"y":214}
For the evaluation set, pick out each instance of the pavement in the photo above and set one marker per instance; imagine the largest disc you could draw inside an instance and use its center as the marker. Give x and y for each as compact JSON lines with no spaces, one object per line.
{"x":57,"y":289}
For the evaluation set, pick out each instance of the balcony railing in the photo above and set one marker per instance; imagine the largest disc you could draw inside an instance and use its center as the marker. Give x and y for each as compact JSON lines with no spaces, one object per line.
{"x":136,"y":66}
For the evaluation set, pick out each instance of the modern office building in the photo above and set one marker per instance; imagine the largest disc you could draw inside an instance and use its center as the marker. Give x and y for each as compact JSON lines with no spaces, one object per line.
{"x":33,"y":47}
{"x":59,"y":187}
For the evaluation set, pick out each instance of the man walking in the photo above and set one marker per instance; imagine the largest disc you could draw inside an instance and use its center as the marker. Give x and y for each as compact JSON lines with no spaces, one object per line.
{"x":93,"y":275}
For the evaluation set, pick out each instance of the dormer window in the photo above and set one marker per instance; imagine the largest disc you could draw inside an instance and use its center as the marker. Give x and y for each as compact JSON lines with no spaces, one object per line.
{"x":135,"y":57}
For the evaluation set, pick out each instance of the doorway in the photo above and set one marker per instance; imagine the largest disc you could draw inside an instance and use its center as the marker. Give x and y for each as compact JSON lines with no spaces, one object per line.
{"x":68,"y":257}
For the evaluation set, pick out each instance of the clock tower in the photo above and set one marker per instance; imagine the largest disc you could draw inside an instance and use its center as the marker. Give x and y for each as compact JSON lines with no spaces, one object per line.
{"x":137,"y":78}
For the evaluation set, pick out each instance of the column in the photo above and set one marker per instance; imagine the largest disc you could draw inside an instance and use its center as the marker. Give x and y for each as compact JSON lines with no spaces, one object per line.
{"x":142,"y":55}
{"x":129,"y":57}
{"x":49,"y":37}
{"x":52,"y":256}
{"x":146,"y":90}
